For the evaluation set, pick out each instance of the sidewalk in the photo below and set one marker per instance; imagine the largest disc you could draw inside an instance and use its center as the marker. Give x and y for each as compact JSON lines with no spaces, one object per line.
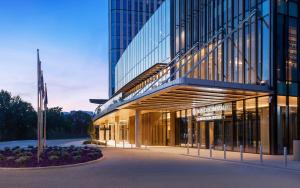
{"x":274,"y":161}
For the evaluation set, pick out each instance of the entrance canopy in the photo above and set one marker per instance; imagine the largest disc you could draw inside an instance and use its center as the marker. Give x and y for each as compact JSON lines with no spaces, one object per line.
{"x":186,"y":93}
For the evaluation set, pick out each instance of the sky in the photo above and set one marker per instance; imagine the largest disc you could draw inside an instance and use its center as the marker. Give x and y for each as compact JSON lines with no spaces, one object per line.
{"x":72,"y":36}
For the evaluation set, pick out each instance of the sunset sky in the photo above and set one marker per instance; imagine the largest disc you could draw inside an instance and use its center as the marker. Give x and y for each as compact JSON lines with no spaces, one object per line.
{"x":72,"y":36}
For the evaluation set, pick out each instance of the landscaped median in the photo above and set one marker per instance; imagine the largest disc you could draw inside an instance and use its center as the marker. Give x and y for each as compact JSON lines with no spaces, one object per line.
{"x":17,"y":157}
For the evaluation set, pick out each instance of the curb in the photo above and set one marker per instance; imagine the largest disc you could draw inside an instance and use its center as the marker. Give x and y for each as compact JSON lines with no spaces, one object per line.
{"x":245,"y":163}
{"x":54,"y":167}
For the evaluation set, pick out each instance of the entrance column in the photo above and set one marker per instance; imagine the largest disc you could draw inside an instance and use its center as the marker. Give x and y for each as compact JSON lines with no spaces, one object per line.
{"x":116,"y":130}
{"x":106,"y":136}
{"x":99,"y":132}
{"x":172,"y":128}
{"x":138,"y":123}
{"x":190,"y":139}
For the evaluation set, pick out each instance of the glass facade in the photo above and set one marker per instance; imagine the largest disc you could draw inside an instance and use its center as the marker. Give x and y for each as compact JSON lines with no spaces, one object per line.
{"x":243,"y":122}
{"x":126,"y":18}
{"x":287,"y":74}
{"x":247,"y":43}
{"x":243,"y":56}
{"x":149,"y":47}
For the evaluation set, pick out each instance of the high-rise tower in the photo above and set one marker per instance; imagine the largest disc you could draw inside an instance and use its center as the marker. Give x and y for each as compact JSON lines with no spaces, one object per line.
{"x":126,"y":18}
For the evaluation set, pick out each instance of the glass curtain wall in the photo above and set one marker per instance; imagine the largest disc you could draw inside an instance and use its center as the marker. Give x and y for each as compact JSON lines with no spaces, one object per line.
{"x":126,"y":18}
{"x":287,"y":60}
{"x":244,"y":57}
{"x":245,"y":122}
{"x":150,"y":46}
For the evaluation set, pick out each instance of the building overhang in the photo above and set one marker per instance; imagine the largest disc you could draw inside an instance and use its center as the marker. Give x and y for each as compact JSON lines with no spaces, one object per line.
{"x":142,"y":77}
{"x":186,"y":93}
{"x":98,"y":101}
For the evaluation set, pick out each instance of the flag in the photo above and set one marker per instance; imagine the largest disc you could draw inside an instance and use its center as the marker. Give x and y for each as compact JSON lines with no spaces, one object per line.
{"x":42,"y":84}
{"x":45,"y":97}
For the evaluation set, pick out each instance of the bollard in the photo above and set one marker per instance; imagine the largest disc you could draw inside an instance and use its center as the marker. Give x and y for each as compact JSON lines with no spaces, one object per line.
{"x":224,"y":151}
{"x":146,"y":147}
{"x":285,"y":156}
{"x":131,"y":145}
{"x":241,"y":153}
{"x":115,"y":143}
{"x":261,"y":154}
{"x":188,"y":148}
{"x":210,"y":151}
{"x":198,"y":149}
{"x":123,"y":144}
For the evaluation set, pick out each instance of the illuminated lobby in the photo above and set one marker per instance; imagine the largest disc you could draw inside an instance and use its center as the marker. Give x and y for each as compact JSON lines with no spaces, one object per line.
{"x":204,"y":73}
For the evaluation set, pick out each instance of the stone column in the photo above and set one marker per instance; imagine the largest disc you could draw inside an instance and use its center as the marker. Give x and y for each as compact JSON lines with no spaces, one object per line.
{"x":138,"y":123}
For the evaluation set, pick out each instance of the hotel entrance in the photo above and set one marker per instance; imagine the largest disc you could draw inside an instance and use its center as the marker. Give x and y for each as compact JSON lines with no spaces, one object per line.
{"x":243,"y":122}
{"x":211,"y":133}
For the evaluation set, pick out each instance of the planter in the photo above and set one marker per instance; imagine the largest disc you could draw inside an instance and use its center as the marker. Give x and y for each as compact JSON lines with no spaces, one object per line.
{"x":296,"y":150}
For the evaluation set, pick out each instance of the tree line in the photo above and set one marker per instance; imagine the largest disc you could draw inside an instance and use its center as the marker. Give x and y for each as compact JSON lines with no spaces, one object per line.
{"x":18,"y":120}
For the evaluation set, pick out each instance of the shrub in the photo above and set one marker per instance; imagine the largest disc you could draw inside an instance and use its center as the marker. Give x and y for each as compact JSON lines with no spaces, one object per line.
{"x":16,"y":147}
{"x":16,"y":151}
{"x":76,"y":157}
{"x":10,"y":158}
{"x":65,"y":154}
{"x":53,"y":158}
{"x":6,"y":149}
{"x":77,"y":152}
{"x":25,"y":153}
{"x":87,"y":142}
{"x":2,"y":158}
{"x":54,"y":152}
{"x":30,"y":147}
{"x":22,"y":159}
{"x":93,"y":155}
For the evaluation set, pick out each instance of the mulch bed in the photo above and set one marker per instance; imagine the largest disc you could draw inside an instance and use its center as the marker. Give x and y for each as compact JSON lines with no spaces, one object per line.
{"x":51,"y":156}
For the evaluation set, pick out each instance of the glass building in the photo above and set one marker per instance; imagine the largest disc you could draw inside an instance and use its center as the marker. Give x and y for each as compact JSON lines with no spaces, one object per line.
{"x":126,"y":18}
{"x":150,"y":46}
{"x":231,"y":77}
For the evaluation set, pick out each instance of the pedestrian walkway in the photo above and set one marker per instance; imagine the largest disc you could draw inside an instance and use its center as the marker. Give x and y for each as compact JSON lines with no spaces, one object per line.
{"x":274,"y":161}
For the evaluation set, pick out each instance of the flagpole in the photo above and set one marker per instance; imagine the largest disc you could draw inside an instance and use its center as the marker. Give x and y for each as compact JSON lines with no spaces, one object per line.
{"x":45,"y":115}
{"x":38,"y":106}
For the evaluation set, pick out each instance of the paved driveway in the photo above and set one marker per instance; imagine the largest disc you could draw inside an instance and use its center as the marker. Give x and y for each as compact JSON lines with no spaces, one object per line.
{"x":141,"y":169}
{"x":58,"y":142}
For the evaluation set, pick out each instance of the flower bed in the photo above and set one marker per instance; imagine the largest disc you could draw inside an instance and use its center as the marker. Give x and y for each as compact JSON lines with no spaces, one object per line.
{"x":51,"y":156}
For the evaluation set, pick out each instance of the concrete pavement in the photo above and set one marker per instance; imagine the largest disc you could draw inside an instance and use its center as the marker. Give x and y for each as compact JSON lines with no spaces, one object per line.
{"x":140,"y":168}
{"x":57,"y":142}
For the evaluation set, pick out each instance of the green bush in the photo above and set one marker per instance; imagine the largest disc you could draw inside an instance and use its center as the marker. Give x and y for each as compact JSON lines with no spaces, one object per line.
{"x":16,"y":147}
{"x":77,"y":152}
{"x":30,"y":147}
{"x":54,"y":152}
{"x":65,"y":154}
{"x":7,"y":149}
{"x":16,"y":151}
{"x":53,"y":158}
{"x":22,"y":159}
{"x":2,"y":158}
{"x":25,"y":153}
{"x":76,"y":157}
{"x":87,"y":142}
{"x":93,"y":155}
{"x":10,"y":158}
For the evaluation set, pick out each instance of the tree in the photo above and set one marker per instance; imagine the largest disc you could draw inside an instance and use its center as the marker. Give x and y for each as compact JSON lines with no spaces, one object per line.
{"x":17,"y":118}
